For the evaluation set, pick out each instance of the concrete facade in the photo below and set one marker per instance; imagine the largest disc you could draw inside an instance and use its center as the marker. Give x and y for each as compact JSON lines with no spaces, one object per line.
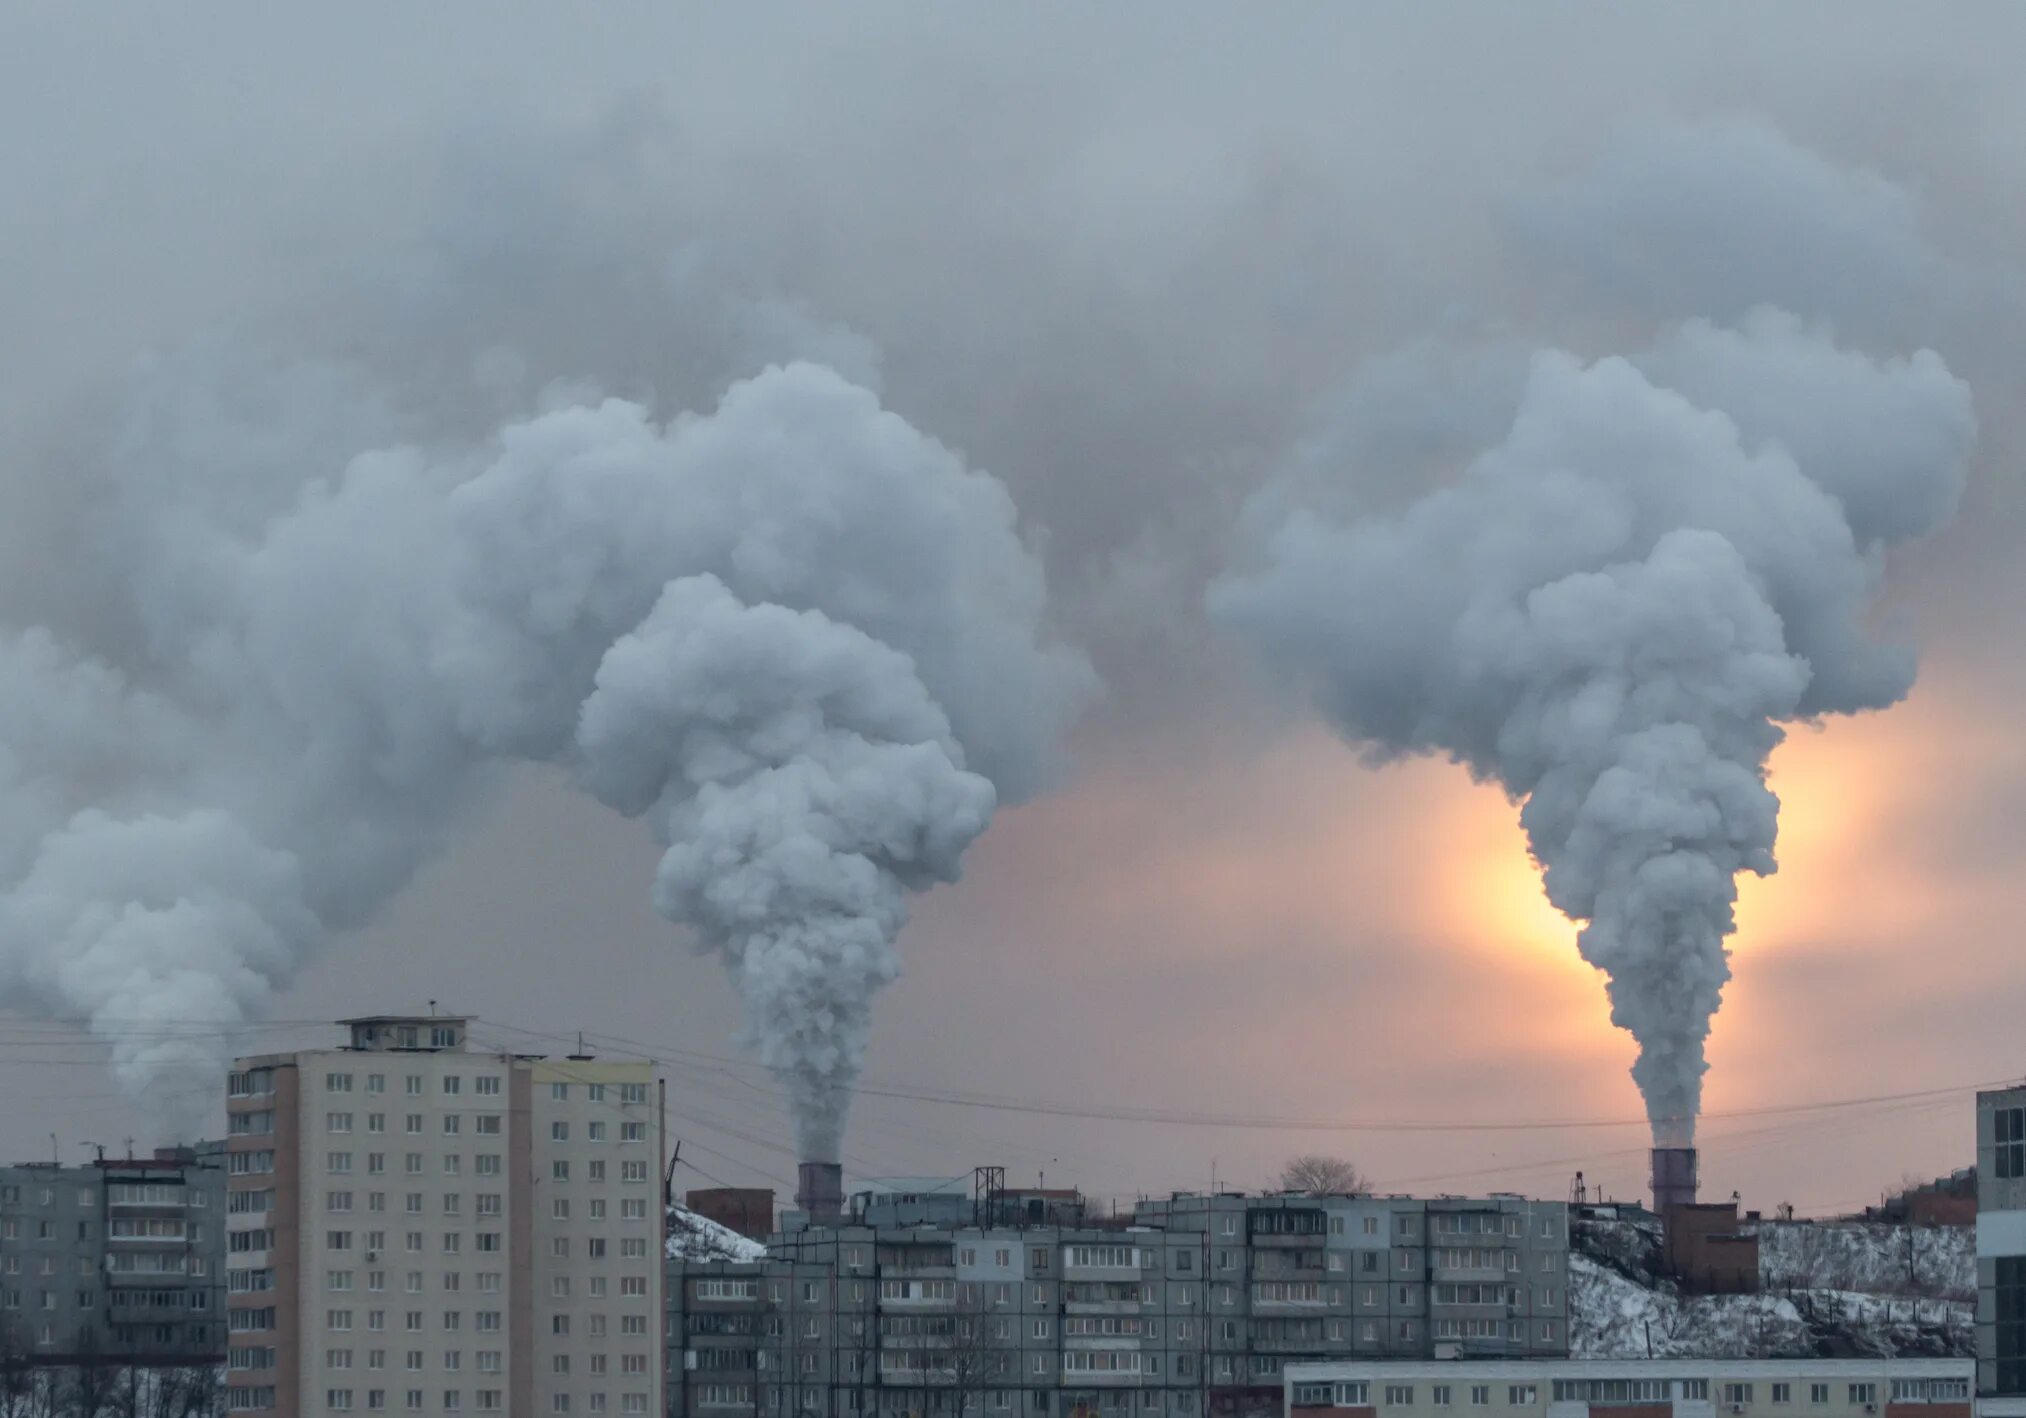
{"x":417,"y":1227}
{"x":1196,"y":1308}
{"x":2001,"y":1252}
{"x":1634,"y":1388}
{"x":120,"y":1259}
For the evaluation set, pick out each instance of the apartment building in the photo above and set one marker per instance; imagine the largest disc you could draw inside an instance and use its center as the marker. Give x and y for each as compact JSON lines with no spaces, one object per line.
{"x":1446,"y":1277}
{"x":1197,"y":1307}
{"x":415,"y":1226}
{"x":121,"y":1258}
{"x":1634,"y":1388}
{"x":2001,"y":1252}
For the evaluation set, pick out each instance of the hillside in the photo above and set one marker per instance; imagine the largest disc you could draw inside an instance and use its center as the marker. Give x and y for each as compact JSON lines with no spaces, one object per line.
{"x":1830,"y":1291}
{"x":692,"y":1237}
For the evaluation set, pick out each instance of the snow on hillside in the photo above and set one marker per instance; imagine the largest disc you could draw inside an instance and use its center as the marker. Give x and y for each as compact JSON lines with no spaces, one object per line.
{"x":1830,"y":1291}
{"x":1612,"y":1316}
{"x":692,"y":1237}
{"x":1877,"y":1259}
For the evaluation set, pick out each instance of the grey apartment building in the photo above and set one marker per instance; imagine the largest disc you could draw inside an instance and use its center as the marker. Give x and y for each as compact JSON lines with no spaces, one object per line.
{"x":1195,"y":1308}
{"x":2001,"y":1253}
{"x":118,"y":1260}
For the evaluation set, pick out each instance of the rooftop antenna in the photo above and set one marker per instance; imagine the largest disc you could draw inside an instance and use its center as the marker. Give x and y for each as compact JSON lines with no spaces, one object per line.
{"x":55,"y":1153}
{"x":432,"y":1009}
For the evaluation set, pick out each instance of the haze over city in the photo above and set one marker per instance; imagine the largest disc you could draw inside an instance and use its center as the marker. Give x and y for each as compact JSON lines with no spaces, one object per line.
{"x":1177,"y":280}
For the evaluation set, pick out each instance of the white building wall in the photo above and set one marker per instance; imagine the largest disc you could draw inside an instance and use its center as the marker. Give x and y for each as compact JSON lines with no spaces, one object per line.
{"x":404,"y":1283}
{"x":597,"y":1230}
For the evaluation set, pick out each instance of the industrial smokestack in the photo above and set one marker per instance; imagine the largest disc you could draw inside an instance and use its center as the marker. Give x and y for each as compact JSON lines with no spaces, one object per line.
{"x":1605,"y":614}
{"x":820,"y":1191}
{"x":1673,"y":1177}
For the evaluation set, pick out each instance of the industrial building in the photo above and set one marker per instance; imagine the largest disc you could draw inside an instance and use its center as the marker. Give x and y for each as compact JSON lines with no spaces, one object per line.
{"x":120,"y":1260}
{"x":1633,"y":1388}
{"x":418,"y":1227}
{"x":1193,"y":1306}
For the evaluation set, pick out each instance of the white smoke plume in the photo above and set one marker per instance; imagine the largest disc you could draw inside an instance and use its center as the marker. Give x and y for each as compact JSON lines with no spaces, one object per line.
{"x":799,"y":636}
{"x":1612,"y":612}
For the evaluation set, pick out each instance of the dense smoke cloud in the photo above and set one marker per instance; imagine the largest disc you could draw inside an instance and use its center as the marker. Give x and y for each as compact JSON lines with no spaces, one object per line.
{"x":1612,"y":612}
{"x":799,"y":635}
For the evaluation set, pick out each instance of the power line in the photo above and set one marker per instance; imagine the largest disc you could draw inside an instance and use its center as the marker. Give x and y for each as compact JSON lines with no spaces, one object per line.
{"x":1184,"y":1118}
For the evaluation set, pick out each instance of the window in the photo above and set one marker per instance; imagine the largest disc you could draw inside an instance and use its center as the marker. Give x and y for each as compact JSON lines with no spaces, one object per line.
{"x":1737,"y":1394}
{"x":1521,"y":1395}
{"x":1818,"y":1393}
{"x":1441,"y":1395}
{"x":414,"y":1085}
{"x":559,"y":1131}
{"x":1371,"y":1226}
{"x":559,"y":1092}
{"x":2009,"y":1133}
{"x":486,"y":1085}
{"x":1480,"y":1395}
{"x":1863,"y":1394}
{"x":633,"y":1132}
{"x":1399,"y":1395}
{"x":1783,"y":1393}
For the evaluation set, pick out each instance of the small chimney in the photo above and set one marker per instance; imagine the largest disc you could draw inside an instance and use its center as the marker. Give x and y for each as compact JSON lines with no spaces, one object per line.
{"x":1673,"y":1177}
{"x":820,"y":1191}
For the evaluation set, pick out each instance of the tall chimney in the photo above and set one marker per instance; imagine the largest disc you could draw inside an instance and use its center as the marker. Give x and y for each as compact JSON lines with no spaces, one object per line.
{"x":1673,"y":1177}
{"x":820,"y":1191}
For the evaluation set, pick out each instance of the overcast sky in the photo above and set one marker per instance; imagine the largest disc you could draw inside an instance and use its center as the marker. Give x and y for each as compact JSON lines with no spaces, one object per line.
{"x":1139,"y":262}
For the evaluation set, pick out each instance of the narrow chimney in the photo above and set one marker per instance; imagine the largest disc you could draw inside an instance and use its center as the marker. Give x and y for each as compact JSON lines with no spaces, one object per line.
{"x":1673,"y":1177}
{"x":820,"y":1191}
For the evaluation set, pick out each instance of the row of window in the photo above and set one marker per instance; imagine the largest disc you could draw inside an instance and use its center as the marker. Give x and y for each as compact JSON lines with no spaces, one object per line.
{"x":117,"y":1194}
{"x":88,"y":1299}
{"x":1628,"y":1391}
{"x":484,"y":1124}
{"x":339,"y":1282}
{"x":259,"y":1083}
{"x":999,"y":1294}
{"x":484,"y":1084}
{"x":485,"y":1400}
{"x":415,"y":1164}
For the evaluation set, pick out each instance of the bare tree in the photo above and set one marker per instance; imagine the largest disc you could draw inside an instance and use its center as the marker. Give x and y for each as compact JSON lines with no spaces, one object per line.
{"x":1322,"y":1174}
{"x":18,"y":1379}
{"x":980,"y":1352}
{"x":93,"y":1378}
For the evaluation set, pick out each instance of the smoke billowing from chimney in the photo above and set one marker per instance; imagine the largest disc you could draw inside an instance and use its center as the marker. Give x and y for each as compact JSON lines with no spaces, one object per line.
{"x":1612,"y":612}
{"x":799,"y":638}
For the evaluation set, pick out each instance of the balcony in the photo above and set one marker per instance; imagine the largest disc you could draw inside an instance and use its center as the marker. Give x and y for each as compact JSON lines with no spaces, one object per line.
{"x":1100,"y":1378}
{"x":915,"y":1376}
{"x":1101,"y":1307}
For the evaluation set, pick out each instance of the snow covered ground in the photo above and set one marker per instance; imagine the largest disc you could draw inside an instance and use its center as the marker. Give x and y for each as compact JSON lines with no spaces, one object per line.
{"x":1830,"y":1291}
{"x":1879,"y":1260}
{"x":692,"y":1237}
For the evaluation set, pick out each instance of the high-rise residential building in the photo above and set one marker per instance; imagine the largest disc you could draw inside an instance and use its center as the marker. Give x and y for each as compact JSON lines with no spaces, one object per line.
{"x":2001,"y":1253}
{"x":417,"y":1226}
{"x":1194,"y":1308}
{"x":118,"y":1260}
